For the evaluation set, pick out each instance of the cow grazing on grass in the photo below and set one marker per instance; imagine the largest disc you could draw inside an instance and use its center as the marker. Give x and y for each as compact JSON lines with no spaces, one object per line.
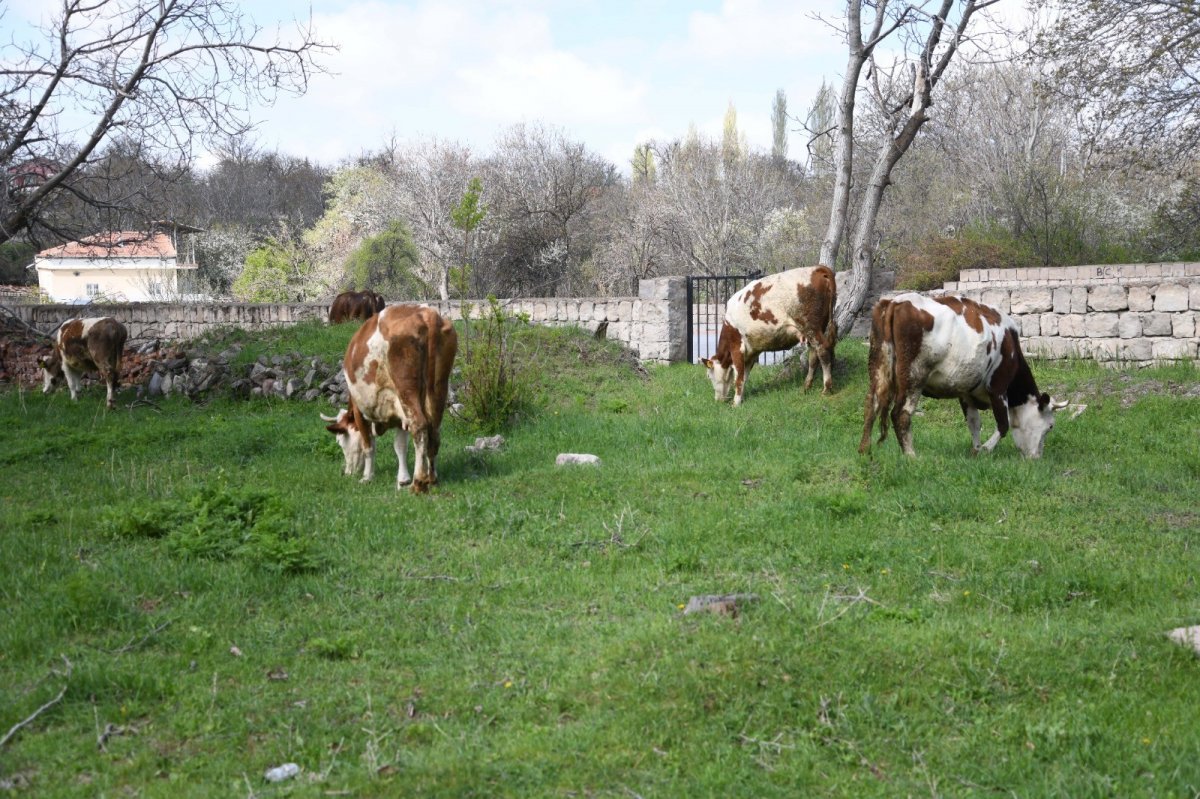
{"x":776,"y":312}
{"x":355,"y":305}
{"x":952,"y":347}
{"x":398,"y":371}
{"x":94,"y":344}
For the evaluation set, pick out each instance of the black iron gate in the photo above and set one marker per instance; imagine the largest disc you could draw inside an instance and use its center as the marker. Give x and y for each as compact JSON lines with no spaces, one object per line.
{"x":706,"y":298}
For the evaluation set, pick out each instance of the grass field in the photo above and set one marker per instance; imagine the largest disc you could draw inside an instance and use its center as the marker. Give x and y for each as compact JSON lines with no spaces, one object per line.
{"x":947,"y":625}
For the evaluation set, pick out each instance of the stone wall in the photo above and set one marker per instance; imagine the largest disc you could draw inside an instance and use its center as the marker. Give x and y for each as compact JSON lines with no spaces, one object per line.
{"x":653,"y":324}
{"x":1134,"y":314}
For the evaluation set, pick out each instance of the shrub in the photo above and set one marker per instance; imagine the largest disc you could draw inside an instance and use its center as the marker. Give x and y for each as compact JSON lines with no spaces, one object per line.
{"x":492,"y":385}
{"x":928,"y":265}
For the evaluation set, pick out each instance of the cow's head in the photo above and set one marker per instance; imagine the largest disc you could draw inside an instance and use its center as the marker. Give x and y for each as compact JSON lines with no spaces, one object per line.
{"x":1031,"y":421}
{"x":52,"y":371}
{"x":349,"y":438}
{"x":722,"y":377}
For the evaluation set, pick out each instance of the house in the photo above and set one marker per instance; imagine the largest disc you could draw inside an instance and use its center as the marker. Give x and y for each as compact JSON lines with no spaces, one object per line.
{"x":118,"y":266}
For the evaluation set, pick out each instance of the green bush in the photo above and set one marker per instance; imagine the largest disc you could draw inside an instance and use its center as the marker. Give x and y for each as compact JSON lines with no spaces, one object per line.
{"x":492,"y":385}
{"x":928,"y":265}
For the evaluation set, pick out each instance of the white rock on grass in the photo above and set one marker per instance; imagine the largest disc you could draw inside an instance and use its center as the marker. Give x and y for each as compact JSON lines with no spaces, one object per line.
{"x":569,"y":458}
{"x":1187,"y":636}
{"x":482,"y":444}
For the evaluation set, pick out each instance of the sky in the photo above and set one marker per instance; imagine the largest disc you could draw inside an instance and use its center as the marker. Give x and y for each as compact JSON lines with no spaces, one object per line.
{"x":609,"y":73}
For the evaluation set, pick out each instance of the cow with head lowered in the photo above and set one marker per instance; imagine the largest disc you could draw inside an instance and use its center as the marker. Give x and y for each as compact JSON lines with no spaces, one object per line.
{"x":776,"y":312}
{"x":951,"y":347}
{"x":397,"y":370}
{"x":355,"y":305}
{"x":94,"y":344}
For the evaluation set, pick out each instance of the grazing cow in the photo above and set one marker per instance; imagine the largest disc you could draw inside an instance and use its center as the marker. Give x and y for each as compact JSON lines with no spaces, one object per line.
{"x":85,"y":345}
{"x":776,"y":312}
{"x":952,"y":347}
{"x":398,"y":371}
{"x":355,"y":305}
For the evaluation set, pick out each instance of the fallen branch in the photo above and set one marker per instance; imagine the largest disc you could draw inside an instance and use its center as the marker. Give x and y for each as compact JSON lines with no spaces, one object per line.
{"x":28,"y":720}
{"x":136,"y":644}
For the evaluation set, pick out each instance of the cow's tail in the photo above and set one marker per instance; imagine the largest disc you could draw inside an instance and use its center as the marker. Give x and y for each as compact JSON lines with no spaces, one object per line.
{"x":881,"y":365}
{"x":831,"y":321}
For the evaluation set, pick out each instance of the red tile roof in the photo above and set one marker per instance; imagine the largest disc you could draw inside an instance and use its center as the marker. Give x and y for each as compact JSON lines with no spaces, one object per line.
{"x":118,"y":244}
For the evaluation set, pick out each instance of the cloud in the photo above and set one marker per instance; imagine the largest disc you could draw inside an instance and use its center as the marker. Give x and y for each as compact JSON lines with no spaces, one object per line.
{"x":549,"y":85}
{"x":752,"y":30}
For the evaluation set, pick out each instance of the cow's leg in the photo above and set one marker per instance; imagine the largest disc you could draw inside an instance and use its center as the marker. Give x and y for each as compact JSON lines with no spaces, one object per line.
{"x":826,"y":359}
{"x":403,"y":478}
{"x":741,"y":370}
{"x":1000,"y":412}
{"x":972,"y":416}
{"x":111,"y":375}
{"x":812,"y":365}
{"x":368,"y":454}
{"x":902,"y":412}
{"x":74,"y":380}
{"x":422,"y":469}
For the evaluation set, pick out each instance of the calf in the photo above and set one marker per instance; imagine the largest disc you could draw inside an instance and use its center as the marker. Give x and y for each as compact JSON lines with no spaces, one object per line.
{"x":776,"y":312}
{"x":94,"y":344}
{"x":355,"y":305}
{"x":398,"y":372}
{"x":952,"y":347}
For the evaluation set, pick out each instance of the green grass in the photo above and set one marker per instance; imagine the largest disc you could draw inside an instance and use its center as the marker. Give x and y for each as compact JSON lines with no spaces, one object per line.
{"x":948,"y":625}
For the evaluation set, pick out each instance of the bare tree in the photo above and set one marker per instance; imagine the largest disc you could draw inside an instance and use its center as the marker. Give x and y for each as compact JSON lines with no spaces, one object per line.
{"x":168,"y":74}
{"x":929,"y":34}
{"x":1133,"y":67}
{"x":430,"y":178}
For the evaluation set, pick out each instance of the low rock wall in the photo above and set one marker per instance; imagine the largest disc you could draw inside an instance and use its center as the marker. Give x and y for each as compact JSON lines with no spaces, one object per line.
{"x":1129,"y":314}
{"x":653,"y":324}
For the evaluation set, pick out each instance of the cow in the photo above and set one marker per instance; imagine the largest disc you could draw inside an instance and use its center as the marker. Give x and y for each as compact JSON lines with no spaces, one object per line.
{"x":952,"y":347}
{"x":94,"y":344}
{"x":776,"y":312}
{"x":355,"y":305}
{"x":397,"y":370}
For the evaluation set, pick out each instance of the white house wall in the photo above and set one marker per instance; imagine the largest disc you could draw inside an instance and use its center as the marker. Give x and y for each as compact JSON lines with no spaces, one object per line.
{"x":129,"y":280}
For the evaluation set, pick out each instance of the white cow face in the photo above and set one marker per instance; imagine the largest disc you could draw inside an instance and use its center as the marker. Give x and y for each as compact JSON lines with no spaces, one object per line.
{"x":349,"y":439}
{"x":721,"y":377}
{"x":52,"y":372}
{"x":1031,"y":421}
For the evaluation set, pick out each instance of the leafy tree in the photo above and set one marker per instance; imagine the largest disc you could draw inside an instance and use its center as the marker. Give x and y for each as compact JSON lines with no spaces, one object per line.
{"x":276,"y":272}
{"x":15,"y":258}
{"x":779,"y":144}
{"x":387,"y":263}
{"x":467,"y":216}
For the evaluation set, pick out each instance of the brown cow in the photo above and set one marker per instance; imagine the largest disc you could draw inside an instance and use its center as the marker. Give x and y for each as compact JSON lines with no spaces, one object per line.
{"x":953,"y":347}
{"x":355,"y":305}
{"x":94,"y":344}
{"x":776,"y":312}
{"x":398,"y":371}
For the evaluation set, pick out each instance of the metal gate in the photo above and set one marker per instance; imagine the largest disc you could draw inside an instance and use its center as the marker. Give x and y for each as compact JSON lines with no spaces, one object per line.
{"x":706,"y":298}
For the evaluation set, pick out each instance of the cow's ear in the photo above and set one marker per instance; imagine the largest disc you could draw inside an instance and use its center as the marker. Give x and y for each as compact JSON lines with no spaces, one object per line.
{"x":336,"y":429}
{"x":1043,"y":402}
{"x":706,"y":362}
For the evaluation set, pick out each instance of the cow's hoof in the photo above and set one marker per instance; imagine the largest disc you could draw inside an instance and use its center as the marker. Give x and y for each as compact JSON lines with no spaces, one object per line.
{"x":420,"y":486}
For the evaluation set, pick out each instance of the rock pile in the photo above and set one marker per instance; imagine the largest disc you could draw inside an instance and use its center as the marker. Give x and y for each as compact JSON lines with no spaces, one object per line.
{"x":293,"y":376}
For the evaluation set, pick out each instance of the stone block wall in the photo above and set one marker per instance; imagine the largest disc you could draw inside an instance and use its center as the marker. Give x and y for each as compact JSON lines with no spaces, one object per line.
{"x":653,"y":324}
{"x":1129,"y":314}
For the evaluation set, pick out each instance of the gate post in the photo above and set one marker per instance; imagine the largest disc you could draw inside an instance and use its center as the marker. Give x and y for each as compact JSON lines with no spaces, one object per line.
{"x":661,"y":316}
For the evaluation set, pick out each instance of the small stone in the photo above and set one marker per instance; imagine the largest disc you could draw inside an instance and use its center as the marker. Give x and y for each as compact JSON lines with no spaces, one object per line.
{"x":569,"y":458}
{"x":720,"y":604}
{"x":488,"y":443}
{"x":281,"y":773}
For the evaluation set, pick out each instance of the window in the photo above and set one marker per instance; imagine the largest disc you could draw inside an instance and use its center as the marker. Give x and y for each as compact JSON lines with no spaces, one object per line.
{"x":156,"y":289}
{"x":93,"y":289}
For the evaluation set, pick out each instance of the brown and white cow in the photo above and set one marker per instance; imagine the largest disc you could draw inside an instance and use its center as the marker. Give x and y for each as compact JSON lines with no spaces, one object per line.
{"x":398,"y":371}
{"x":952,"y":347}
{"x":355,"y":305}
{"x":94,"y":344}
{"x":776,"y":312}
